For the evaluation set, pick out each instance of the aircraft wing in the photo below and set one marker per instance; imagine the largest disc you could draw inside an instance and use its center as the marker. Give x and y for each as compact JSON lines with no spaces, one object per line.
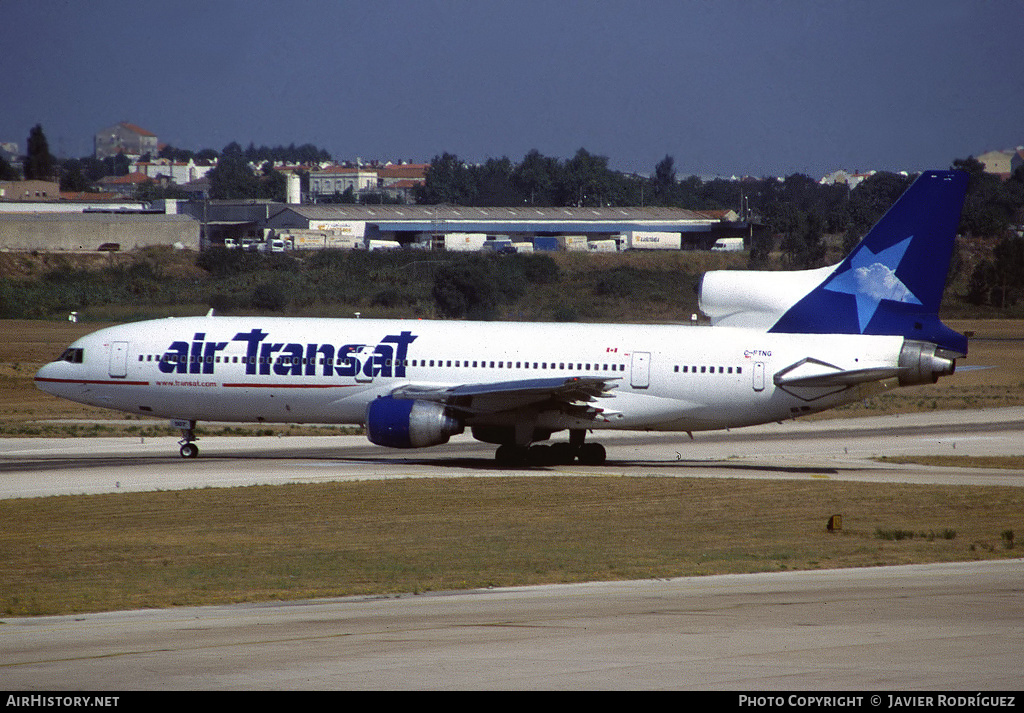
{"x":559,"y":393}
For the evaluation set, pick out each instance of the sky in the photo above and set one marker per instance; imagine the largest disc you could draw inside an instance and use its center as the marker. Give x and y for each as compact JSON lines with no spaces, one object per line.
{"x":724,"y":87}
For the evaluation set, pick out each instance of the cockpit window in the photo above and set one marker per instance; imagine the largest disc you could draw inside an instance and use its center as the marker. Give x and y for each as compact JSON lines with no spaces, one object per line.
{"x":72,"y":355}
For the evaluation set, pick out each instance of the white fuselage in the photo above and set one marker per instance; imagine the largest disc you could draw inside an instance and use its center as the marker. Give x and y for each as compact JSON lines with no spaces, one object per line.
{"x":303,"y":370}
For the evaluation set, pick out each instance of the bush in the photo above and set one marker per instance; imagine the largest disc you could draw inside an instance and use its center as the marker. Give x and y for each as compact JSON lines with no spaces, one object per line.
{"x":221,"y":302}
{"x":465,"y":290}
{"x":268,"y":296}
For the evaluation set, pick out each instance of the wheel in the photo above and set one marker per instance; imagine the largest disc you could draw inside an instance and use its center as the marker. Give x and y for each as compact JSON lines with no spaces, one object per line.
{"x":510,"y":455}
{"x":592,"y":454}
{"x":540,"y":455}
{"x":189,"y":450}
{"x":562,"y":454}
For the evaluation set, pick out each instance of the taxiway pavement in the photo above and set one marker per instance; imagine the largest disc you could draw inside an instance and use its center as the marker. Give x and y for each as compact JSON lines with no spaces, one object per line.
{"x":945,"y":627}
{"x":837,"y":448}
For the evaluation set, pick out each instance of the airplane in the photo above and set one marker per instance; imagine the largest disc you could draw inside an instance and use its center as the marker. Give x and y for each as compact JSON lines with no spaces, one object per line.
{"x":779,"y":345}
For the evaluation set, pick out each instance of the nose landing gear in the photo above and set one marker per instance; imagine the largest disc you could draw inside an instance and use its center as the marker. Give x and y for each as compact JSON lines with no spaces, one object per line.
{"x":188,"y":437}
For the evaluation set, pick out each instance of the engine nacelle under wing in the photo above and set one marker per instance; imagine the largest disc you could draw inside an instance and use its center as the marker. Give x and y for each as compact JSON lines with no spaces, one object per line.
{"x":409,"y":423}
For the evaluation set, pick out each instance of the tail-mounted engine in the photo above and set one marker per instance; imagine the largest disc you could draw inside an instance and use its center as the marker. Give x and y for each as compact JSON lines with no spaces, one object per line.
{"x":924,"y":363}
{"x":409,"y":423}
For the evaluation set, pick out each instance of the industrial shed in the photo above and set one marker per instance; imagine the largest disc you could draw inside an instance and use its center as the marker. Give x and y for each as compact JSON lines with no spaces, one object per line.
{"x":427,"y":225}
{"x":91,"y":231}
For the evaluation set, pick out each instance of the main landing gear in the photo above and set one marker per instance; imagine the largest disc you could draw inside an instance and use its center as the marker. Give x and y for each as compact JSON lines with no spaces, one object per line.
{"x":189,"y":449}
{"x":555,"y":454}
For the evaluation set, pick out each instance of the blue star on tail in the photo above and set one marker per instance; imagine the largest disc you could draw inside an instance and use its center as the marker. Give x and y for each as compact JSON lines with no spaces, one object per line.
{"x":871,"y":278}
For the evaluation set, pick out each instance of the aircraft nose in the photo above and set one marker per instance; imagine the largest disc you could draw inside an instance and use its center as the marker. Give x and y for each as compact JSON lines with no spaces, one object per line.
{"x":51,"y":378}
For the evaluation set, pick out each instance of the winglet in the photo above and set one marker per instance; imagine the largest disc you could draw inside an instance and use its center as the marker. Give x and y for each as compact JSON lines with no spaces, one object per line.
{"x":892,"y":282}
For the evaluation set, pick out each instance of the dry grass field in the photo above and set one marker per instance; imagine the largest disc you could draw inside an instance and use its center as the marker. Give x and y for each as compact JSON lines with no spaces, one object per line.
{"x":134,"y":550}
{"x":93,"y":553}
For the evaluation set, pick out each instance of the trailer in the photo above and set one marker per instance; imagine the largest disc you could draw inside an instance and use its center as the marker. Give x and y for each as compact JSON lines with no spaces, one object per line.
{"x":573,"y":243}
{"x":653,"y":240}
{"x":464,"y":242}
{"x":383,"y":245}
{"x":331,"y":238}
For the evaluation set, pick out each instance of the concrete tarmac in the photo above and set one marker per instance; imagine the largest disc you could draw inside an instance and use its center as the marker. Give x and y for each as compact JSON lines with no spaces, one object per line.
{"x":928,"y":627}
{"x":944,"y":627}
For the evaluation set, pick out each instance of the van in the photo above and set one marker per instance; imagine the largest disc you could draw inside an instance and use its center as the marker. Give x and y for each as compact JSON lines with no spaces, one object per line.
{"x":728,"y":245}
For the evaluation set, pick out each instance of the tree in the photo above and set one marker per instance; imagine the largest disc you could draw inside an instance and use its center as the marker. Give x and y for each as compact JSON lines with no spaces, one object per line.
{"x":73,"y":176}
{"x":869,"y":201}
{"x":448,"y":181}
{"x":536,"y":177}
{"x":999,"y":282}
{"x":664,"y":181}
{"x":39,"y":164}
{"x":7,"y":171}
{"x":233,"y":178}
{"x":494,"y":185}
{"x":585,"y":180}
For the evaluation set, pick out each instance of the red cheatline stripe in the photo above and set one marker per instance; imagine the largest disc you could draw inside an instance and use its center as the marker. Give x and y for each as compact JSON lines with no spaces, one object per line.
{"x":92,"y":381}
{"x":288,"y":386}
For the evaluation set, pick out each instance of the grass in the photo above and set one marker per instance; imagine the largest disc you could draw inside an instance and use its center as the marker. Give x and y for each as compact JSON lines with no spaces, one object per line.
{"x":997,"y":462}
{"x":136,"y":550}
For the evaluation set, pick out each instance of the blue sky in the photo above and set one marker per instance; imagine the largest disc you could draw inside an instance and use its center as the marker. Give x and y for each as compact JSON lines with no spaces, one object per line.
{"x":726,"y":87}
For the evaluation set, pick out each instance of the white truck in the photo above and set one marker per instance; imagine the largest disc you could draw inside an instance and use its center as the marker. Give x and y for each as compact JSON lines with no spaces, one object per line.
{"x":727,"y":245}
{"x":276,"y":245}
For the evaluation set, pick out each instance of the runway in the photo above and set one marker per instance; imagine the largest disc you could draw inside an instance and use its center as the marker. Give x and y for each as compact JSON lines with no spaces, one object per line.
{"x":926,"y":627}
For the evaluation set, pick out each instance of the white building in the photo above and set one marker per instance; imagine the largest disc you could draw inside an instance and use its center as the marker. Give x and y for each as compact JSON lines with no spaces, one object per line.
{"x":125,"y":138}
{"x":396,"y":180}
{"x":335,"y":180}
{"x":176,"y":172}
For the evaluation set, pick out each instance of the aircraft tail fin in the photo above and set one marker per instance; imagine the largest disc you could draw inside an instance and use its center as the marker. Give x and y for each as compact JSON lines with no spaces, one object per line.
{"x":892,"y":282}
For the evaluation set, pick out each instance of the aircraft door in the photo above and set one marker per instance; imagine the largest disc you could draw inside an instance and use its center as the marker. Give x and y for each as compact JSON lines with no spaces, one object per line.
{"x":365,"y":365}
{"x":119,"y":360}
{"x":640,"y":371}
{"x":758,"y":376}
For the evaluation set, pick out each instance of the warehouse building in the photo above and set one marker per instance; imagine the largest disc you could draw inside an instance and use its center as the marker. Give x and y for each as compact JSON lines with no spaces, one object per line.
{"x":445,"y":227}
